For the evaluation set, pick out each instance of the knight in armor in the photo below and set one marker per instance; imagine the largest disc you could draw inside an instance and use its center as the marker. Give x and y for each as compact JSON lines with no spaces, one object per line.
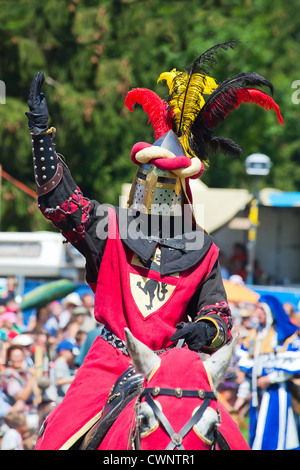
{"x":151,"y":267}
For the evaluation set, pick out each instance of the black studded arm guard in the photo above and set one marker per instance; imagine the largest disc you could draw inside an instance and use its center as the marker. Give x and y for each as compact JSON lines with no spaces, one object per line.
{"x":48,"y":168}
{"x":60,"y":199}
{"x":62,"y":202}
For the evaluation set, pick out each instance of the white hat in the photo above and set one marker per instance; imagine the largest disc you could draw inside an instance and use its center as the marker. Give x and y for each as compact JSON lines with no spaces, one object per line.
{"x":22,"y":340}
{"x":72,"y":298}
{"x":237,"y":279}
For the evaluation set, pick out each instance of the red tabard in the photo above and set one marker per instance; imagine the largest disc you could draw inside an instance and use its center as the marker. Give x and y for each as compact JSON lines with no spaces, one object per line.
{"x":127,"y":294}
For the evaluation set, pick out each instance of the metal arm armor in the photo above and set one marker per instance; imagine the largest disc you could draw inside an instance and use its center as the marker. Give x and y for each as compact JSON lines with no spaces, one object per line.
{"x":48,"y":169}
{"x":70,"y":210}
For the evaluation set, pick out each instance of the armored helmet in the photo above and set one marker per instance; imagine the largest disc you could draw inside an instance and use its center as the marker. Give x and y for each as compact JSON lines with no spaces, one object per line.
{"x":184,"y":126}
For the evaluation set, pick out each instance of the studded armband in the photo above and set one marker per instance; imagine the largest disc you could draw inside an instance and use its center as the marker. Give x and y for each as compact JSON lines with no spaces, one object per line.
{"x":48,"y":168}
{"x":219,"y":314}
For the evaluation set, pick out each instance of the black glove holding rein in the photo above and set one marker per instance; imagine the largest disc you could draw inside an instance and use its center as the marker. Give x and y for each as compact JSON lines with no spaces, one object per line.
{"x":196,"y":335}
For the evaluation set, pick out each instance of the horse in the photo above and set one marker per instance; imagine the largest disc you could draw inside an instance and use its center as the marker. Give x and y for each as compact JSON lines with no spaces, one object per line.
{"x":172,"y":404}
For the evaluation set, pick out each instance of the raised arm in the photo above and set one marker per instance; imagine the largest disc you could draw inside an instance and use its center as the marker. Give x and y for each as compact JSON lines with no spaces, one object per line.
{"x":59,"y":198}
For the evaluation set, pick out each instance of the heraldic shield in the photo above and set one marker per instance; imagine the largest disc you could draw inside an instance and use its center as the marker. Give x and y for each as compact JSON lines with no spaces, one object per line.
{"x":149,"y":289}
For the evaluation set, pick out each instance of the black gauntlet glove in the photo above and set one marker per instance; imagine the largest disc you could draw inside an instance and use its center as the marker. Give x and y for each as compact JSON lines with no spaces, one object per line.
{"x":48,"y":167}
{"x":196,"y":335}
{"x":38,"y":114}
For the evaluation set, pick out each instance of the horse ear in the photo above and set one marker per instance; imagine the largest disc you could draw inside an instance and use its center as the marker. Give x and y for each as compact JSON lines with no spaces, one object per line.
{"x":143,"y":358}
{"x":218,"y":362}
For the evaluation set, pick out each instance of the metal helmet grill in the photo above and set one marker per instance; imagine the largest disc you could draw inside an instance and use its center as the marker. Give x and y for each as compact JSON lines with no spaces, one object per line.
{"x":155,"y":191}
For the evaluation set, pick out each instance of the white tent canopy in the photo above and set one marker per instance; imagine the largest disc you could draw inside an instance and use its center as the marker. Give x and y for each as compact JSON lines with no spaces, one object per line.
{"x":217,"y":206}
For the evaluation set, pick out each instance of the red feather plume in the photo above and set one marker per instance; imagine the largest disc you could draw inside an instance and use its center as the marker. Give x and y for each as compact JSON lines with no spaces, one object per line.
{"x":252,"y":95}
{"x":157,"y":109}
{"x":242,"y":95}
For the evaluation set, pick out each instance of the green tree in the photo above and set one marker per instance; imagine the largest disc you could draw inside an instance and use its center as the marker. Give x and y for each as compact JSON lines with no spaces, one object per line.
{"x":93,"y":53}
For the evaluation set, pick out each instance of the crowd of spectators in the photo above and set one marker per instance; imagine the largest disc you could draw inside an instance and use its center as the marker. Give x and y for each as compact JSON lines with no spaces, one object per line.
{"x":38,"y":361}
{"x":236,"y":389}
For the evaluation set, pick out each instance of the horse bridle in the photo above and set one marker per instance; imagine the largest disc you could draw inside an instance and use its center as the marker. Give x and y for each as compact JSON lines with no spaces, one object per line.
{"x":175,"y":438}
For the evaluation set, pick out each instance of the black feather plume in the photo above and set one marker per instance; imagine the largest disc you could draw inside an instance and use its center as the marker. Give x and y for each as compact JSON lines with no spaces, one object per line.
{"x":217,"y":106}
{"x":199,"y":103}
{"x":241,"y":80}
{"x":205,"y":62}
{"x":224,"y":145}
{"x":224,"y":98}
{"x":188,"y":87}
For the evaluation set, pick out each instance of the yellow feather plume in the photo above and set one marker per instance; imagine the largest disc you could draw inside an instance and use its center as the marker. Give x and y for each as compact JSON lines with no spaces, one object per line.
{"x":186,"y":98}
